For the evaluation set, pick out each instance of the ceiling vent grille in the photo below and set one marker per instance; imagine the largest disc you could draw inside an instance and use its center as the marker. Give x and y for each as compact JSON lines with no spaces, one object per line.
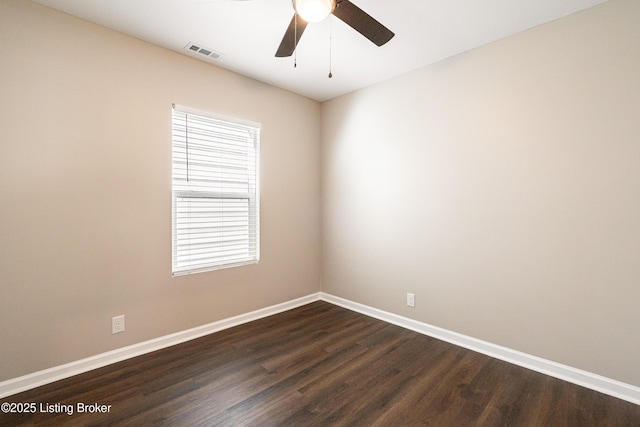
{"x":210,"y":53}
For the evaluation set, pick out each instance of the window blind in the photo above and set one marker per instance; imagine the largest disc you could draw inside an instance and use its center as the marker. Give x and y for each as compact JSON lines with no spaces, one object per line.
{"x":215,"y":192}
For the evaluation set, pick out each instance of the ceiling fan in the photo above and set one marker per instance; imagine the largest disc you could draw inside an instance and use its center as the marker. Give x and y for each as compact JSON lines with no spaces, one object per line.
{"x":310,"y":11}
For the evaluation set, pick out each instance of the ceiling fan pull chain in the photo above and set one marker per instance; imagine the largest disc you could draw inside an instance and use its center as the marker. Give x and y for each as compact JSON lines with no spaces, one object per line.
{"x":295,"y":40}
{"x":330,"y":44}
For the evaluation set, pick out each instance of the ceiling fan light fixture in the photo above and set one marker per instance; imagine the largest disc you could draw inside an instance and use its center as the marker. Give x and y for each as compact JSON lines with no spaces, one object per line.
{"x":314,"y":10}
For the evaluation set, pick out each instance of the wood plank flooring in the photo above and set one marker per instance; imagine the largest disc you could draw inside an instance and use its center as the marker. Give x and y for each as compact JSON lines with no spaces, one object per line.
{"x":320,"y":365}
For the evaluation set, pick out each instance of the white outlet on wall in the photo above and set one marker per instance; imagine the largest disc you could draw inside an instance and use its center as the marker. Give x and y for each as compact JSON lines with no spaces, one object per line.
{"x":411,"y":299}
{"x":117,"y":324}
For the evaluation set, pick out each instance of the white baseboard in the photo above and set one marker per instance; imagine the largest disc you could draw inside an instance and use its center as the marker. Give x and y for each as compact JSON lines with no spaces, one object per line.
{"x":36,"y":379}
{"x":582,"y":378}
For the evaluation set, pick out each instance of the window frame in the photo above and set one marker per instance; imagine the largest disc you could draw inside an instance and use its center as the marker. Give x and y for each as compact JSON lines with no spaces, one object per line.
{"x":180,"y":195}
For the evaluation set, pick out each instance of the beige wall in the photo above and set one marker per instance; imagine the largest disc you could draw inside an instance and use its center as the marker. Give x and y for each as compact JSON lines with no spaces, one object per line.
{"x":502,"y":186}
{"x":85,"y":191}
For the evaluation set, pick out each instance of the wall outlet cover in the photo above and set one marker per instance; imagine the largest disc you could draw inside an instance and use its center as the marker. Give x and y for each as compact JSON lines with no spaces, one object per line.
{"x":411,"y":299}
{"x":117,"y":324}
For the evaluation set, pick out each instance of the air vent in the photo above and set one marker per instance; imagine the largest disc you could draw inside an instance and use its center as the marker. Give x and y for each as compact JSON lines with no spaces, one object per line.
{"x":203,"y":51}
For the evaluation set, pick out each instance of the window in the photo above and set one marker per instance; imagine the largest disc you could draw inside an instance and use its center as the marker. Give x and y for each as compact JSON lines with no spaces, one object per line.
{"x":215,"y":192}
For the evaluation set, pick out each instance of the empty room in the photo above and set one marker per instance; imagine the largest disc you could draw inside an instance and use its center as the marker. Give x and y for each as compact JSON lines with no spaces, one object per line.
{"x":230,"y":213}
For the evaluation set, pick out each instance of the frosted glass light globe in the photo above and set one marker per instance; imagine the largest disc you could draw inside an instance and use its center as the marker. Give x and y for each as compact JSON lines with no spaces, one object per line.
{"x":313,"y":10}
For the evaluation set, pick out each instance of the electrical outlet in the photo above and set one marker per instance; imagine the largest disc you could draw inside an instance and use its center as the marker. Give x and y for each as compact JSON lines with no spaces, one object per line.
{"x":411,"y":299}
{"x":117,"y":324}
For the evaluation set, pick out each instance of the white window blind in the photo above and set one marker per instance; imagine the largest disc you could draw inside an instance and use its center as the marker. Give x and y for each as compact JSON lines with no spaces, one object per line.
{"x":215,"y":192}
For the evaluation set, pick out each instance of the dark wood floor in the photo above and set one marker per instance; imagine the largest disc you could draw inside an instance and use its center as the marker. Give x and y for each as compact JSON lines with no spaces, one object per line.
{"x":320,"y":365}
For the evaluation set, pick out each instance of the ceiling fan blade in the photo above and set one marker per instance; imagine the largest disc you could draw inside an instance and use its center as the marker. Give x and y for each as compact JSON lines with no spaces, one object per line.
{"x":362,"y":22}
{"x":291,"y":37}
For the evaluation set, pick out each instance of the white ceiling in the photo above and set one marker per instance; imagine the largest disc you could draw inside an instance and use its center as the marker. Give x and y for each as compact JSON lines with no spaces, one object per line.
{"x":247,"y":34}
